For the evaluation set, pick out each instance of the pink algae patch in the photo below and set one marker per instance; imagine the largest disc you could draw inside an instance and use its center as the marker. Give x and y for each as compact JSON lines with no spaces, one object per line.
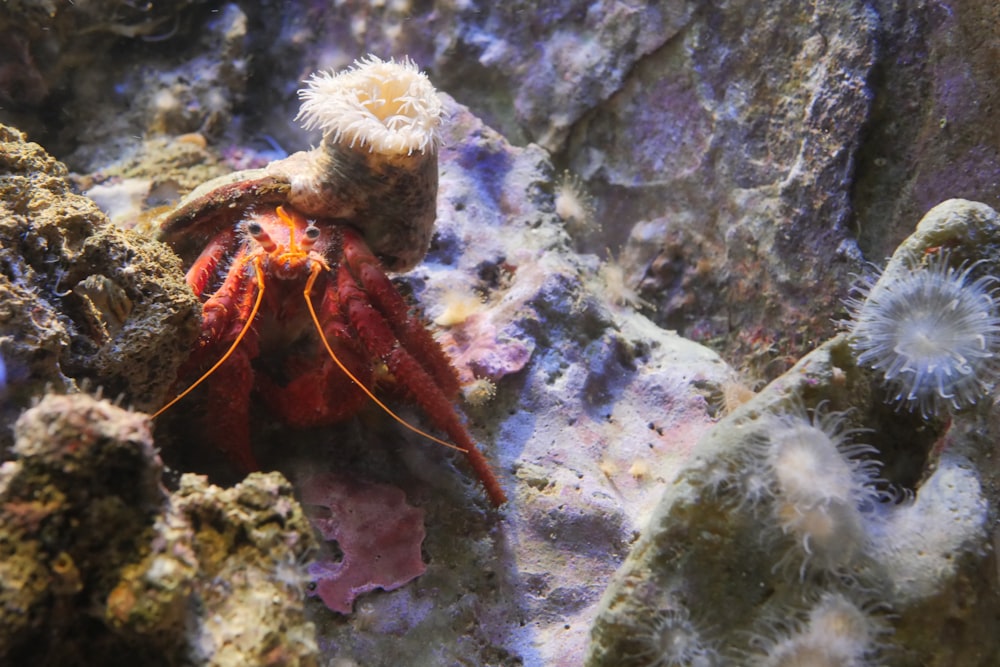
{"x":478,"y":350}
{"x":378,"y":532}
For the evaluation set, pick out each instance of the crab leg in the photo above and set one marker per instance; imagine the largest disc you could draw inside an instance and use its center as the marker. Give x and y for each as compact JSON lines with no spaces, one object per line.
{"x":208,"y":261}
{"x":378,"y":337}
{"x":340,"y":364}
{"x":429,"y":397}
{"x":217,"y":315}
{"x":408,"y":330}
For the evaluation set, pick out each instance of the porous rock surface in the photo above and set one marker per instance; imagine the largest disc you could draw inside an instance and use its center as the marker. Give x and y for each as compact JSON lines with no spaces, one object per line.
{"x":103,"y":566}
{"x":81,"y":301}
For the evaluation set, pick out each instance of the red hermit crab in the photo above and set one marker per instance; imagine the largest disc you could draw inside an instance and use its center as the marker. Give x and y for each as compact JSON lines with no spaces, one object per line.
{"x":297,"y":306}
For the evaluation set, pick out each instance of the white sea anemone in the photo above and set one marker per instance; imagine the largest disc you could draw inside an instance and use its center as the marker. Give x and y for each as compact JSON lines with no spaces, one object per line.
{"x":836,"y":633}
{"x":824,"y":489}
{"x":615,"y":283}
{"x":377,"y":164}
{"x":574,"y":205}
{"x":669,"y":639}
{"x":386,"y":106}
{"x":932,"y":332}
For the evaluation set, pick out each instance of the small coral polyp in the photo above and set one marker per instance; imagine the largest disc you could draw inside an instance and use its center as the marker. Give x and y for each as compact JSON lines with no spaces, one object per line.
{"x":823,"y":490}
{"x":670,"y":639}
{"x":574,"y":205}
{"x":932,"y":332}
{"x":837,"y":633}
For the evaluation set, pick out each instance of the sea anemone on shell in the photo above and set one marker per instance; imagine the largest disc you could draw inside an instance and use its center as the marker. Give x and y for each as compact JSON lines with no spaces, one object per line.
{"x":386,"y":106}
{"x":377,"y":164}
{"x":933,"y":333}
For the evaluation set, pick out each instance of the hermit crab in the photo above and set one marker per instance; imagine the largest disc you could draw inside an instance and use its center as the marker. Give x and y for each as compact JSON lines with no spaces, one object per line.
{"x":290,"y":263}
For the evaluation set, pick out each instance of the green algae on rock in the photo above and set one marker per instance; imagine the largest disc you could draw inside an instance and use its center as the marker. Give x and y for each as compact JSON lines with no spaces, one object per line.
{"x":81,"y":300}
{"x":98,"y":554}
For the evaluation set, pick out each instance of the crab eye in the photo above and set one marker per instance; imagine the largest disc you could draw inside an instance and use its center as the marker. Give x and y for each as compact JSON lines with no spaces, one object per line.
{"x":257,"y":233}
{"x":309,"y":237}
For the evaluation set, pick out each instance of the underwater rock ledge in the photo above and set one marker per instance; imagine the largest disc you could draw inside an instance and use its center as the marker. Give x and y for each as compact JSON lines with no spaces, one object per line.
{"x":824,"y":518}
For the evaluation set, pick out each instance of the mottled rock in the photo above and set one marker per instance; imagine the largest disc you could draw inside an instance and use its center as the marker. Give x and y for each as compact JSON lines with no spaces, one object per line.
{"x":156,"y":174}
{"x":99,"y":555}
{"x":728,"y":151}
{"x":46,"y":43}
{"x":869,"y":559}
{"x":81,"y":301}
{"x":931,"y":134}
{"x":118,"y":71}
{"x":251,"y":543}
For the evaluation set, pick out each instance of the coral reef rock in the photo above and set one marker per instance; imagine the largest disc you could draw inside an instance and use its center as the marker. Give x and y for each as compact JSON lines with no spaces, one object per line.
{"x":748,"y":155}
{"x":98,"y":555}
{"x":80,"y":300}
{"x":119,"y":70}
{"x":593,"y":408}
{"x":739,"y":217}
{"x":822,"y":518}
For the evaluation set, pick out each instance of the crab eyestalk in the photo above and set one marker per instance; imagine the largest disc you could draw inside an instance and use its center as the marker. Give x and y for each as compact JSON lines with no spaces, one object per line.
{"x":377,"y":163}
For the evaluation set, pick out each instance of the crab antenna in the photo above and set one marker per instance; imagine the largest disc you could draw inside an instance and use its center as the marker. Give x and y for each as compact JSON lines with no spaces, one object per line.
{"x":293,"y":246}
{"x":316,"y":268}
{"x":258,"y":274}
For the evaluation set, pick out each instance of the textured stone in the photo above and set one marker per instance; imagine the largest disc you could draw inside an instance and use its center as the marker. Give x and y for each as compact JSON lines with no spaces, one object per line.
{"x":98,"y":554}
{"x":81,"y":301}
{"x":931,"y":135}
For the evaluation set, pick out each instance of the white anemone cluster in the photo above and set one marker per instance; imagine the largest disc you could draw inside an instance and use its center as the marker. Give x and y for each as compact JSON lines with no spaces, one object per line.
{"x":387,"y":106}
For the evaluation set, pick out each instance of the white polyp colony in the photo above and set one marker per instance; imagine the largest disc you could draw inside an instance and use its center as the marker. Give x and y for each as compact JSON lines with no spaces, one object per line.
{"x":933,"y":334}
{"x":823,"y":492}
{"x":388,"y":106}
{"x":617,"y":288}
{"x":836,"y":634}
